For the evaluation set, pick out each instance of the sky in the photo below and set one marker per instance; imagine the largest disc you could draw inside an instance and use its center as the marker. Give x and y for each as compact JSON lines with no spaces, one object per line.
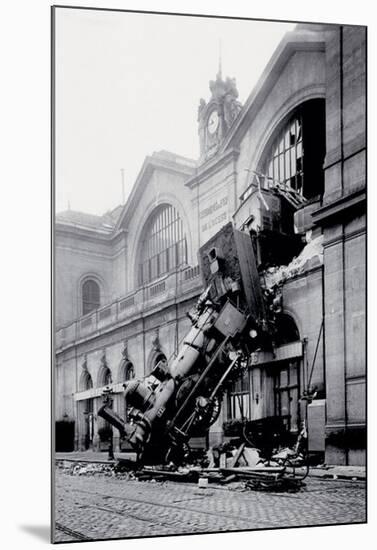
{"x":129,"y":84}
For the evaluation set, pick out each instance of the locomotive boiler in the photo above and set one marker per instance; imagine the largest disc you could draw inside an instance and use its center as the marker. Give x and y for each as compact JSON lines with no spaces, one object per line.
{"x":182,"y":397}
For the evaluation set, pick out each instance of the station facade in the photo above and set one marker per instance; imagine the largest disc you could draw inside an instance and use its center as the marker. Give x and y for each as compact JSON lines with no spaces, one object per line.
{"x":288,"y":165}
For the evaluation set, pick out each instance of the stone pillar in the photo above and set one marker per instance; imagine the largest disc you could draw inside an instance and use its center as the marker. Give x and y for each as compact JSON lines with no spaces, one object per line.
{"x":355,"y":331}
{"x":354,"y":104}
{"x":344,"y":256}
{"x":333,"y":176}
{"x":97,"y":402}
{"x":119,"y":409}
{"x":81,"y":427}
{"x":334,"y":345}
{"x":77,"y":425}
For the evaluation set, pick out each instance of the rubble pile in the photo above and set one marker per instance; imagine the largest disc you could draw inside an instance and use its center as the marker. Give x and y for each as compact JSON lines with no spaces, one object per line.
{"x":274,"y":277}
{"x":282,"y":485}
{"x":94,"y":469}
{"x":238,"y":467}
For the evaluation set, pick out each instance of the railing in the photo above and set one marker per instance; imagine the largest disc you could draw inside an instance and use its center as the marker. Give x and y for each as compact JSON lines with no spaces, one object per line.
{"x":86,"y":322}
{"x":191,"y":273}
{"x":150,"y":296}
{"x":103,"y":313}
{"x":157,"y":289}
{"x":127,"y":303}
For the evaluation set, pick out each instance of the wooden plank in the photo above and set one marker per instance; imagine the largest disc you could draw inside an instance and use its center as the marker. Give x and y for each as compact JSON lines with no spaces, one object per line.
{"x":210,"y":458}
{"x":228,"y":479}
{"x":264,"y":476}
{"x":237,"y":456}
{"x":246,"y":470}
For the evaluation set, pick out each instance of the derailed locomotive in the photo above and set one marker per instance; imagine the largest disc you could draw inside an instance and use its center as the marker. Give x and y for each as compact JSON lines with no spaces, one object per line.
{"x":182,"y":397}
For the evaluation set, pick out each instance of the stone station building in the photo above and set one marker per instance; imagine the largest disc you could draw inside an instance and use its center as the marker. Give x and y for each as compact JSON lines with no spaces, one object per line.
{"x":124,"y":281}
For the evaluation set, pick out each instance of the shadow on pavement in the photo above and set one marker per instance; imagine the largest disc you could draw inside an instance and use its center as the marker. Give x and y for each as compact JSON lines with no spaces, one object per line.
{"x":40,"y":531}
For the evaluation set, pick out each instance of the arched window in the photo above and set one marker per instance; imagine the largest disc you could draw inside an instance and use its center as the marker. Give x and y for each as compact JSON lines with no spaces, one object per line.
{"x":86,"y":382}
{"x":164,"y":245}
{"x":161,"y":357}
{"x":127,"y":371}
{"x":105,"y":378}
{"x":286,"y":329}
{"x":297,"y":154}
{"x":91,"y":296}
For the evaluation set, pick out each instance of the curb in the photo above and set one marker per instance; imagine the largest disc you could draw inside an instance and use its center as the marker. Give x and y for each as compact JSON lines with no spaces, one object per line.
{"x":312,"y":473}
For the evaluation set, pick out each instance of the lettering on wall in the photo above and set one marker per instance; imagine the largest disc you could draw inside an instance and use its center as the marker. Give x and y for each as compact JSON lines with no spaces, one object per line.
{"x":210,"y":210}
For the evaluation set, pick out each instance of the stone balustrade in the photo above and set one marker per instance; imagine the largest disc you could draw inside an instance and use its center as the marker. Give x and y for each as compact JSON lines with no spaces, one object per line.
{"x":135,"y":304}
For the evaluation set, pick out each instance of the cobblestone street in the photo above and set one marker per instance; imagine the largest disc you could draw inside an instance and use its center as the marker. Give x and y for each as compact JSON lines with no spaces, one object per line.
{"x":101,"y":507}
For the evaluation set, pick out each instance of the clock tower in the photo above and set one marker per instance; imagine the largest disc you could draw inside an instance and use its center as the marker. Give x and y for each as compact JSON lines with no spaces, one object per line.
{"x":217,"y":116}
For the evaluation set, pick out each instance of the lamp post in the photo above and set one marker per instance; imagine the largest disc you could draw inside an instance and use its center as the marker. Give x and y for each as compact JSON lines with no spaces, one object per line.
{"x":108,"y":401}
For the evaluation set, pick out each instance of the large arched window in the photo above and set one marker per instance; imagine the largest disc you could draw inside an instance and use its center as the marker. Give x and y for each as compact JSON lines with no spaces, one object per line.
{"x":91,"y":296}
{"x":297,"y":153}
{"x":164,"y":245}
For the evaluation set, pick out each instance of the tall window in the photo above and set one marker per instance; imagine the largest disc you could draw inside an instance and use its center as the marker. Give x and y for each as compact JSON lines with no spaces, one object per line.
{"x":239,"y":398}
{"x":90,"y":296}
{"x":286,"y":164}
{"x":164,"y":246}
{"x":105,"y":377}
{"x":86,"y":381}
{"x":286,"y":392}
{"x":297,"y":154}
{"x":128,"y":373}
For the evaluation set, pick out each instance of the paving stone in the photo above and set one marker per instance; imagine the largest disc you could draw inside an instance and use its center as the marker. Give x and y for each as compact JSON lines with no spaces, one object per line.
{"x":99,"y":507}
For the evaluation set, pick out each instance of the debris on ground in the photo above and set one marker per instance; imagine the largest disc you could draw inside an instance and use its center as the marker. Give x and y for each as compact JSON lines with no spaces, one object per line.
{"x":280,"y":485}
{"x":93,"y":469}
{"x":284,"y":453}
{"x":162,"y":474}
{"x":235,"y":467}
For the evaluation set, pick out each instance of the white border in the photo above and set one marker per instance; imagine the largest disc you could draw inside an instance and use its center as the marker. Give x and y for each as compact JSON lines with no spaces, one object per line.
{"x":25,"y":136}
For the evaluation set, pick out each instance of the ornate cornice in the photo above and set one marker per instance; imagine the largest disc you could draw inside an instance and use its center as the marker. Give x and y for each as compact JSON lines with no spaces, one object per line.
{"x":328,"y":212}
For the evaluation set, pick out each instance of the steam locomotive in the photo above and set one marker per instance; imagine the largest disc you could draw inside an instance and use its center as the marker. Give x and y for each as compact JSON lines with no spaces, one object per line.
{"x":182,"y":397}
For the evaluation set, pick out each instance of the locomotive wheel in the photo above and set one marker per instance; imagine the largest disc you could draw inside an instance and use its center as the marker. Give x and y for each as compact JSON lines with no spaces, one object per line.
{"x":200,"y":414}
{"x":203,"y":416}
{"x":208,"y":413}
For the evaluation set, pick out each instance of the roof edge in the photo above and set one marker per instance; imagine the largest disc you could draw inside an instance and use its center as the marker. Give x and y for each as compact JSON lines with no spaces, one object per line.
{"x":292,"y":42}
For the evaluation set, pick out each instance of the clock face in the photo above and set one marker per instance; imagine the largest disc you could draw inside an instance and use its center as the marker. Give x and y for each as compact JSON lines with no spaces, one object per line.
{"x":213,"y":122}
